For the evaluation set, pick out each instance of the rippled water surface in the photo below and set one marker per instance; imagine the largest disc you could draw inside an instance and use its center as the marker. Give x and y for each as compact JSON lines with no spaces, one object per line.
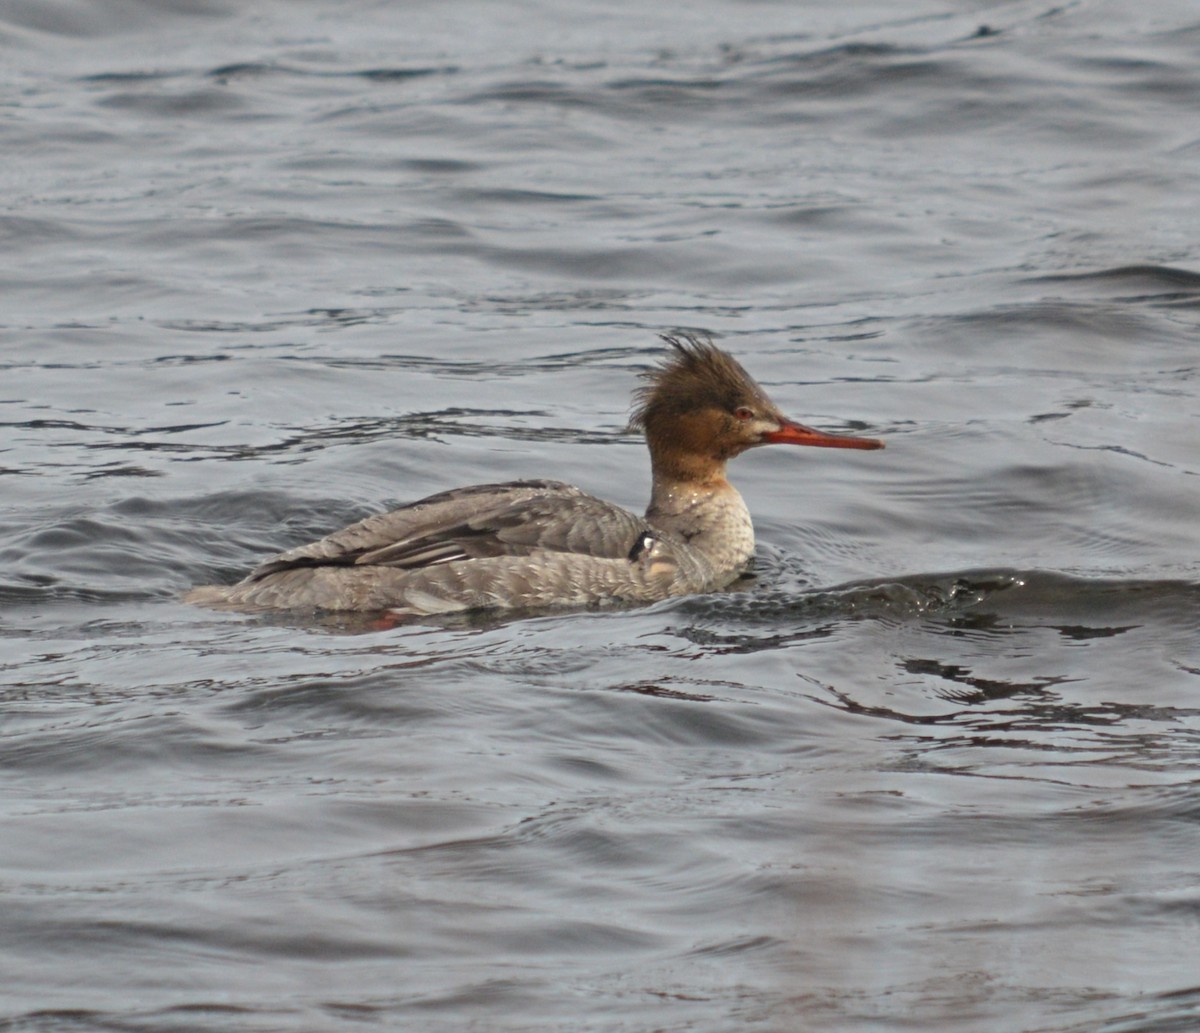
{"x":271,"y":267}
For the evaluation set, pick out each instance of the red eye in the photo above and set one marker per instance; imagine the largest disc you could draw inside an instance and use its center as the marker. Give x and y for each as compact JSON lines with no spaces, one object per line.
{"x":744,"y":413}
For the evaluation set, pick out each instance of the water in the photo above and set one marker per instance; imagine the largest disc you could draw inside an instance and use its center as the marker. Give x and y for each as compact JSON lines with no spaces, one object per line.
{"x":267,"y":271}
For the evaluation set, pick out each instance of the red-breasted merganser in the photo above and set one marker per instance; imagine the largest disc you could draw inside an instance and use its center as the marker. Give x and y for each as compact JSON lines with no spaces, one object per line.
{"x":547,"y":544}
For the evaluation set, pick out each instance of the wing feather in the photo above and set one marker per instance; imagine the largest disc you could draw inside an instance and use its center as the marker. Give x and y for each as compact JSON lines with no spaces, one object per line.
{"x":517,"y":518}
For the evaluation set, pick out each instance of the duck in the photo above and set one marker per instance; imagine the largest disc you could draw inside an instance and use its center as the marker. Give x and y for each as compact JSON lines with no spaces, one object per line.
{"x":544,"y":544}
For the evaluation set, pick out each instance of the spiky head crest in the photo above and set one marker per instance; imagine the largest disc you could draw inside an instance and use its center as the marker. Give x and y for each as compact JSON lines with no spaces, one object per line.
{"x":696,"y":376}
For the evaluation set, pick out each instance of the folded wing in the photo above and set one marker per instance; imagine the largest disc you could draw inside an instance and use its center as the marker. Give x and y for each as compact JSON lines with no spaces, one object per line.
{"x":518,"y":518}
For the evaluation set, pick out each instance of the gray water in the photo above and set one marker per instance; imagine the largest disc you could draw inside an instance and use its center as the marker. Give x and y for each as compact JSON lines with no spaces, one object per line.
{"x":270,"y":267}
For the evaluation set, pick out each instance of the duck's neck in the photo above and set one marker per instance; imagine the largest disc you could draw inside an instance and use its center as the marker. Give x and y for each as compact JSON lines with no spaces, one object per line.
{"x":705,"y":510}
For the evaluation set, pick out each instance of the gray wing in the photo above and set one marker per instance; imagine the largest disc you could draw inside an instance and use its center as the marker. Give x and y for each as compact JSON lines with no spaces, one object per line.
{"x":517,"y":518}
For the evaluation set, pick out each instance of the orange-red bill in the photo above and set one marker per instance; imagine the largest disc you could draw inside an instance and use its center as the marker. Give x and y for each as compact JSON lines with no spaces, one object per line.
{"x":797,"y":434}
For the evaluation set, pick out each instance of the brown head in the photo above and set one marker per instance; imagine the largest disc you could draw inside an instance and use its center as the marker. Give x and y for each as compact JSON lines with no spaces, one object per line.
{"x":700,"y":409}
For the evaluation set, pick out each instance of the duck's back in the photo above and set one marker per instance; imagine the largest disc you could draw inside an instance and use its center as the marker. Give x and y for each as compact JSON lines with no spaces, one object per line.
{"x":518,"y":544}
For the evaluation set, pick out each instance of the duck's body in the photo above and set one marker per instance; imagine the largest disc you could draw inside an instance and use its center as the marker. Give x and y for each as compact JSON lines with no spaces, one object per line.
{"x":545,"y":543}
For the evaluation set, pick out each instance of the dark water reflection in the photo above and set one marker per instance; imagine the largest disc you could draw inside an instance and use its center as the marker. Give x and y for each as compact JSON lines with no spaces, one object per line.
{"x":934,"y":765}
